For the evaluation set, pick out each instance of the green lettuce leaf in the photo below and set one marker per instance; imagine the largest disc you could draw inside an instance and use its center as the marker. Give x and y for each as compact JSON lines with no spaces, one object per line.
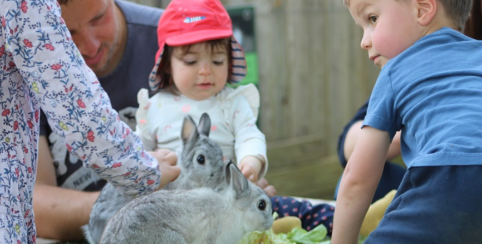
{"x":266,"y":237}
{"x":315,"y":236}
{"x":296,"y":236}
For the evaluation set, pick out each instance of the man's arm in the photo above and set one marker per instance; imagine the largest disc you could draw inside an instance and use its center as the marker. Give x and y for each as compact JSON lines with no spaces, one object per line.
{"x":59,"y":212}
{"x":358,"y":185}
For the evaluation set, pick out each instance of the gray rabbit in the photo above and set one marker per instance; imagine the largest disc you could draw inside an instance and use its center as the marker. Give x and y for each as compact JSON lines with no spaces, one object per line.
{"x":201,"y":163}
{"x":200,"y":215}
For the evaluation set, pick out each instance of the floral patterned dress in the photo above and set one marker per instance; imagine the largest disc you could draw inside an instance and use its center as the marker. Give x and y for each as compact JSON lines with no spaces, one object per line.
{"x":40,"y":67}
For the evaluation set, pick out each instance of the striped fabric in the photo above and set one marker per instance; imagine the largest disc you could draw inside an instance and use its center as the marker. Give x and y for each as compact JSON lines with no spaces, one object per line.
{"x":238,"y":67}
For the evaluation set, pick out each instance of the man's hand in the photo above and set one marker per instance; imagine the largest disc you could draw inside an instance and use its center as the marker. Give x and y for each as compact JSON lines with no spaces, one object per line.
{"x":167,"y":165}
{"x":250,"y":167}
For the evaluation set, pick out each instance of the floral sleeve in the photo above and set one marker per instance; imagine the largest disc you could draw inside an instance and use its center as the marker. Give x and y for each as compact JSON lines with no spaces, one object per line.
{"x":46,"y":70}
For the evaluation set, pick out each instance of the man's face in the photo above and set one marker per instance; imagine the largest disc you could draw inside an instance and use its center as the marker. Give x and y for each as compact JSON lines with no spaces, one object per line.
{"x":94,"y":28}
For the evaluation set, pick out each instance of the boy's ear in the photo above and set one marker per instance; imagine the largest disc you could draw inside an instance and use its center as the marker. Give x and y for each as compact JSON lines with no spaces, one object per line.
{"x":426,"y":11}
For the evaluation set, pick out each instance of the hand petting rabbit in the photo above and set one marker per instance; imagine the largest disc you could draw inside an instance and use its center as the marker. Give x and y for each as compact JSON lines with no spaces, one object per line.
{"x":195,"y":216}
{"x":201,"y":164}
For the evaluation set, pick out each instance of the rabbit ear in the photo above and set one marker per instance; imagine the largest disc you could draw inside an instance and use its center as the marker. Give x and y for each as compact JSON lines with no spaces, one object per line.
{"x":189,"y":130}
{"x":204,"y":126}
{"x":227,"y":172}
{"x":236,"y":179}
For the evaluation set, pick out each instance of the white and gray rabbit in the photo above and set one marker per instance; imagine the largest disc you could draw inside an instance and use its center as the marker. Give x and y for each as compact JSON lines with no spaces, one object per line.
{"x":201,"y":163}
{"x":195,"y":216}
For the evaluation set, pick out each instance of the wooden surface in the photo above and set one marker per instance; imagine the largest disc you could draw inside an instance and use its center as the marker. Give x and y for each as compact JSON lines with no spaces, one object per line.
{"x":299,"y":167}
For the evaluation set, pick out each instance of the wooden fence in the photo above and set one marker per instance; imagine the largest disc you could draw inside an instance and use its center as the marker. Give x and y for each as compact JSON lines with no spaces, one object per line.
{"x":313,"y":76}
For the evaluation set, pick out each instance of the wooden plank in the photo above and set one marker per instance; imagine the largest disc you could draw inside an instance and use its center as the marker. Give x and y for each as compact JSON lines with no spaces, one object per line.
{"x":299,"y":167}
{"x":314,"y":178}
{"x":298,"y":36}
{"x":295,"y":150}
{"x":273,"y":69}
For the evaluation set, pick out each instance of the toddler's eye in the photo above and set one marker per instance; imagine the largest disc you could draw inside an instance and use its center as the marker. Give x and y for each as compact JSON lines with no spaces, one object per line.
{"x":189,"y":62}
{"x":218,"y":62}
{"x":372,"y":19}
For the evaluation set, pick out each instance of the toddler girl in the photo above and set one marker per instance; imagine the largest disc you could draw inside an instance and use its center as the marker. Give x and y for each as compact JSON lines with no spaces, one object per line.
{"x":198,"y":56}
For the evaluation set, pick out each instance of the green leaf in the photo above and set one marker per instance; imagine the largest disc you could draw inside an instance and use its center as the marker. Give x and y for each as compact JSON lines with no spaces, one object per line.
{"x":302,"y":236}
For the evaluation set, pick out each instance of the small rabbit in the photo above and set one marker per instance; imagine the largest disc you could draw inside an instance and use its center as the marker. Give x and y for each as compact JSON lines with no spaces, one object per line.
{"x":201,"y":160}
{"x":199,"y":215}
{"x":201,"y":163}
{"x":107,"y":204}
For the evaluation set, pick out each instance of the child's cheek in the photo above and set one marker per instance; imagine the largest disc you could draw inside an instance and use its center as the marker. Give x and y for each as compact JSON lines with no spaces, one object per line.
{"x":384,"y":45}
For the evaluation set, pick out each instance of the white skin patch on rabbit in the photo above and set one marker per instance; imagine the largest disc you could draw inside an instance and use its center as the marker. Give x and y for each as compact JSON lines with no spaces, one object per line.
{"x":201,"y":163}
{"x":194,"y":216}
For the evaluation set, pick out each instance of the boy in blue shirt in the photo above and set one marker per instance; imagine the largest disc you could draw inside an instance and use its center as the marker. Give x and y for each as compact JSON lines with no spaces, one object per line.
{"x":430,"y":88}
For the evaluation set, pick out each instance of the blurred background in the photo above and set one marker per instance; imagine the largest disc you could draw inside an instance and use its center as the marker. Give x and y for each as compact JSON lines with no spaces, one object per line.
{"x":305,"y":58}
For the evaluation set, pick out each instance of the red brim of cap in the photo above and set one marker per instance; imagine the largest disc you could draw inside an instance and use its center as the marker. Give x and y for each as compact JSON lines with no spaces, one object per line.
{"x":197,"y":36}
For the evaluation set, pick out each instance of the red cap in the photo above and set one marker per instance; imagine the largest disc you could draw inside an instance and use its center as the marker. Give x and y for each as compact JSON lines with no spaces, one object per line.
{"x":186,"y":22}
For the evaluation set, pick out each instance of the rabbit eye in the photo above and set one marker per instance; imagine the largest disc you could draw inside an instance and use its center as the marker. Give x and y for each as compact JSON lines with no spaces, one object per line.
{"x":262,"y":205}
{"x":201,"y":159}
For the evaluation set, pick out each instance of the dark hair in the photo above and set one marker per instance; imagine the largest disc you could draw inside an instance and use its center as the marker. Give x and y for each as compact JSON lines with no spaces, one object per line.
{"x":164,"y":70}
{"x":473,"y":27}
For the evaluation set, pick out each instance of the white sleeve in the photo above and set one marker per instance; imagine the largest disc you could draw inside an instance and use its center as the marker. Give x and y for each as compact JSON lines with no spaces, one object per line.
{"x":142,"y":128}
{"x":249,"y":140}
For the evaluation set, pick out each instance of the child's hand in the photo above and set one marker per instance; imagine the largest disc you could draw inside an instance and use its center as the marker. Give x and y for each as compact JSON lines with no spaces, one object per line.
{"x":250,"y":167}
{"x":167,"y":165}
{"x":269,"y":189}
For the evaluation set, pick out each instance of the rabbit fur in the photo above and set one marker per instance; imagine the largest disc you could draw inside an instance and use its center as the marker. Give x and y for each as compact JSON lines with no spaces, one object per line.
{"x":201,"y":163}
{"x":195,"y":216}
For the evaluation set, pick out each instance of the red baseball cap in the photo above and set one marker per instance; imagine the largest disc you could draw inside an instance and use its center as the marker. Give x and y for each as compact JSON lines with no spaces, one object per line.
{"x":186,"y":22}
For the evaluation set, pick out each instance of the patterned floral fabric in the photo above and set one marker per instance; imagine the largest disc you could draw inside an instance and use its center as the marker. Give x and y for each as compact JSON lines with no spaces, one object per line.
{"x":41,"y":67}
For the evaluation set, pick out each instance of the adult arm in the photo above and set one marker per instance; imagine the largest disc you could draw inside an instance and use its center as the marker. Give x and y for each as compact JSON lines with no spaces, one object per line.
{"x":59,"y":212}
{"x":75,"y":104}
{"x":360,"y":179}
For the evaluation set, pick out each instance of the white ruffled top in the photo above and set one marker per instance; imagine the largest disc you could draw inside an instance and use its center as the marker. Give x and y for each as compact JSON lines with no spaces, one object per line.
{"x":233,"y":114}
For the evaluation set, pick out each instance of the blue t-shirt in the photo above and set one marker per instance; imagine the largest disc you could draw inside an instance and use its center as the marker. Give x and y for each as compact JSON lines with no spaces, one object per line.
{"x":121,"y":85}
{"x":433,"y":93}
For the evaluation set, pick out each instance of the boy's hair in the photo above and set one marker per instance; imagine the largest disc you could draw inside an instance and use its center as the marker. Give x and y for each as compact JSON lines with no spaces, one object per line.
{"x":165,"y":71}
{"x":62,"y":2}
{"x":457,"y":10}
